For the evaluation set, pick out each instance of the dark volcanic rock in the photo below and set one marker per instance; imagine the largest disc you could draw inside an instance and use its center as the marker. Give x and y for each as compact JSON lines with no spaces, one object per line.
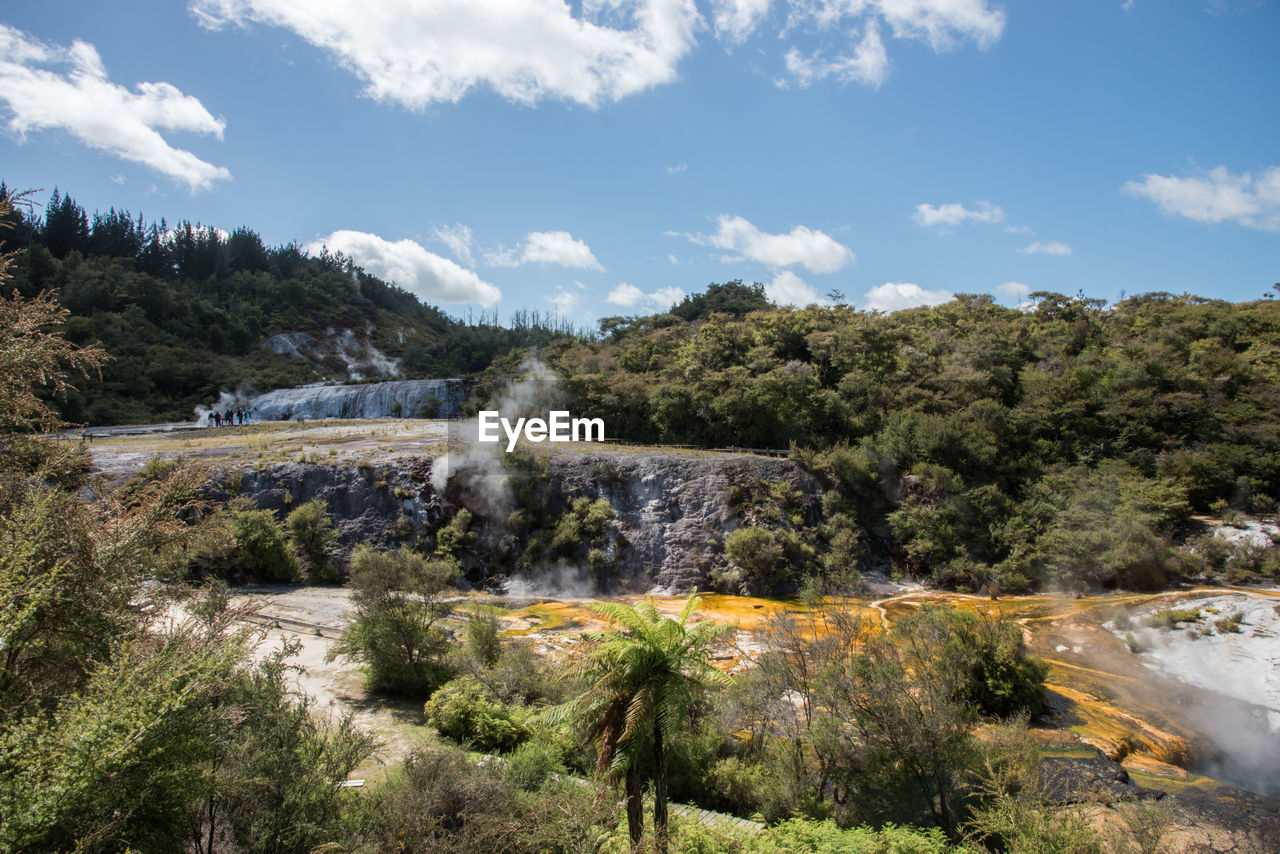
{"x":672,"y":509}
{"x":375,"y":504}
{"x":1079,"y":779}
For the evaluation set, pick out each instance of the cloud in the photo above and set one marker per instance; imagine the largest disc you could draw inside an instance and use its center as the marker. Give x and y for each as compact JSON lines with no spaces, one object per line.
{"x":956,"y":214}
{"x":815,"y":250}
{"x":629,"y":296}
{"x":789,"y":289}
{"x":893,"y":296}
{"x":546,"y":247}
{"x":868,"y":64}
{"x":1015,"y":291}
{"x":459,"y":239}
{"x":78,"y":98}
{"x":407,"y":264}
{"x":942,"y":24}
{"x":1216,"y":197}
{"x":1050,"y":247}
{"x":416,"y":54}
{"x":735,"y":20}
{"x":558,"y":247}
{"x":677,"y":168}
{"x":564,"y":300}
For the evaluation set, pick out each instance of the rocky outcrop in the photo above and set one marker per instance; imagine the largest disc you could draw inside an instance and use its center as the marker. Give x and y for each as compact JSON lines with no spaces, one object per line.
{"x":399,"y":398}
{"x":382,"y":505}
{"x":673,"y":512}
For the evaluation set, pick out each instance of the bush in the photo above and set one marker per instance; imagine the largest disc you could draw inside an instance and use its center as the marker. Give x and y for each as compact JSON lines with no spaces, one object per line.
{"x":759,"y":558}
{"x":805,"y":836}
{"x":1229,"y":625}
{"x":465,"y":711}
{"x":535,"y":761}
{"x":1169,"y":619}
{"x":399,"y":599}
{"x":482,"y":639}
{"x":311,"y":531}
{"x":261,"y":550}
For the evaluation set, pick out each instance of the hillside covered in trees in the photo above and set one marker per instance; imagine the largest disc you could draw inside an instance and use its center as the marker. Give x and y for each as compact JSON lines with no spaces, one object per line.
{"x":186,"y":312}
{"x":1065,"y":445}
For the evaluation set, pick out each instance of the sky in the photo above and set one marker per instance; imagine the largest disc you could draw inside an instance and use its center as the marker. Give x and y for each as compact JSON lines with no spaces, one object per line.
{"x":604,"y":157}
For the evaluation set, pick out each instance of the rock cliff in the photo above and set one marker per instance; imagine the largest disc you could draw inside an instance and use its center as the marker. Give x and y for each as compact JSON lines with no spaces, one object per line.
{"x":673,"y":512}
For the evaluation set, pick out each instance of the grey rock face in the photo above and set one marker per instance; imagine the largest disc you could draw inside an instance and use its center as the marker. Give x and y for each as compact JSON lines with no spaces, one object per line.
{"x":673,"y":511}
{"x":399,"y":398}
{"x":375,"y":504}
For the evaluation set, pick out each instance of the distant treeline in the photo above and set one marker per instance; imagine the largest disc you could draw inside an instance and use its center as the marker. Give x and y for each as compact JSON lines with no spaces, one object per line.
{"x":184,"y":311}
{"x":1064,"y":445}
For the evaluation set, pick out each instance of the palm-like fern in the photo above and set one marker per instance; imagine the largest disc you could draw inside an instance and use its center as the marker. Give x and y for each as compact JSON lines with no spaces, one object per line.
{"x":644,"y":677}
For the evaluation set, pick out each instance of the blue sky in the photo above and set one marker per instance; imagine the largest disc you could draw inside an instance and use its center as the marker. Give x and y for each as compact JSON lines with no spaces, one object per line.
{"x":602,"y":157}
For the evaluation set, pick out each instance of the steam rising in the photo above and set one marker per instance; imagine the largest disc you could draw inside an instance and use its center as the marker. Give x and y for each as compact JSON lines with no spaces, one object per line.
{"x":227,"y":401}
{"x":1239,"y":708}
{"x":482,"y":483}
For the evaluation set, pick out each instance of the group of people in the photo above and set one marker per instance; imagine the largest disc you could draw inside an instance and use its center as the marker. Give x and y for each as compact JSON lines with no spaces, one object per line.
{"x":230,"y":418}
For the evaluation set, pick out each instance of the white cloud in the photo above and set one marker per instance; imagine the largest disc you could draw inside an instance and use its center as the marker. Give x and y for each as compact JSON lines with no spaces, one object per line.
{"x":892,"y":296}
{"x":1049,"y":247}
{"x":1015,"y":291}
{"x":736,"y":19}
{"x":564,"y":300}
{"x":117,"y":179}
{"x":558,"y":247}
{"x":815,"y":250}
{"x":868,"y":64}
{"x":546,"y":247}
{"x":677,"y":168}
{"x":957,"y":214}
{"x":1020,"y":229}
{"x":416,"y":53}
{"x":629,"y":296}
{"x":407,"y":264}
{"x":459,"y":239}
{"x":1218,"y":196}
{"x":942,"y":24}
{"x":79,"y":99}
{"x":789,"y":289}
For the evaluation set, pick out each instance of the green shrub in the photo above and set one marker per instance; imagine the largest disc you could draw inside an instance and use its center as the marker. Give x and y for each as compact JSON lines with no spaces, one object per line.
{"x":465,"y":711}
{"x":1169,"y":619}
{"x":482,"y":638}
{"x":759,"y":558}
{"x":261,"y":549}
{"x":400,"y":599}
{"x":805,"y":836}
{"x":311,"y":531}
{"x":1229,"y":625}
{"x":535,"y":761}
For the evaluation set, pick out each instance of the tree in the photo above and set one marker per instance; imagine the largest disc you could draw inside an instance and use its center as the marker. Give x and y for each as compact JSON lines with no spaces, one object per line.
{"x":395,"y":630}
{"x":644,"y":678}
{"x":311,"y":531}
{"x":33,"y":352}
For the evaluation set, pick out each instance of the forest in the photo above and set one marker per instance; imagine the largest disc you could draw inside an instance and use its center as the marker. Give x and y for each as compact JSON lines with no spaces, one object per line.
{"x":185,"y":311}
